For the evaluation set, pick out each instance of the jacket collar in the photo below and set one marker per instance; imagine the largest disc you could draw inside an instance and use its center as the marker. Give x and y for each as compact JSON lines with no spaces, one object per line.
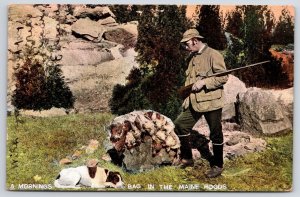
{"x":200,"y":50}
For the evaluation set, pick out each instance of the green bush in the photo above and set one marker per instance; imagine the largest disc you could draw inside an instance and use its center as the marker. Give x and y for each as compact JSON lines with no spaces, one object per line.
{"x":37,"y":89}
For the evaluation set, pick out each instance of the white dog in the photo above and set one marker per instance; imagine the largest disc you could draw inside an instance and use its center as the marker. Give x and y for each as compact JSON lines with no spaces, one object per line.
{"x":94,"y":177}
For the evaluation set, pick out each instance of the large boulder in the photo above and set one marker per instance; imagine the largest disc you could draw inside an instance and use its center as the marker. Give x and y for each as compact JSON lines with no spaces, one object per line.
{"x":88,"y":29}
{"x":109,"y":22}
{"x":239,"y":143}
{"x":21,"y":13}
{"x":285,"y":98}
{"x":232,"y":88}
{"x":25,"y":27}
{"x":138,"y":158}
{"x":260,"y":113}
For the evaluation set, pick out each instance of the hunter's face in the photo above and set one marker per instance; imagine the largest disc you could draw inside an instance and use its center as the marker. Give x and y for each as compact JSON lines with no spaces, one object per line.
{"x":191,"y":46}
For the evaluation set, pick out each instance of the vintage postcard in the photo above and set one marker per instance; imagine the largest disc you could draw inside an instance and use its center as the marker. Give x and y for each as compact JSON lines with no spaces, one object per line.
{"x":150,"y":98}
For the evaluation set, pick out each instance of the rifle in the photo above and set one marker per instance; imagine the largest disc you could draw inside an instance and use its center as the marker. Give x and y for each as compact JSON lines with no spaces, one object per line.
{"x":185,"y":91}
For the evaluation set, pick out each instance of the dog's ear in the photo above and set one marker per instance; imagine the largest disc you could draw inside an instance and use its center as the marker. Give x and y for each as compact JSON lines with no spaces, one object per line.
{"x":106,"y":171}
{"x":92,"y":171}
{"x":109,"y":177}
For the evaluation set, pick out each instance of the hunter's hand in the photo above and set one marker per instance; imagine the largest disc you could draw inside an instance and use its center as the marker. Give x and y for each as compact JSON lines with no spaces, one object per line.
{"x":198,"y":85}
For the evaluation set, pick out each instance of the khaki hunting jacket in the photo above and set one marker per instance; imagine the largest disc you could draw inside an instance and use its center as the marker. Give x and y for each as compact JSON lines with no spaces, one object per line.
{"x":205,"y":63}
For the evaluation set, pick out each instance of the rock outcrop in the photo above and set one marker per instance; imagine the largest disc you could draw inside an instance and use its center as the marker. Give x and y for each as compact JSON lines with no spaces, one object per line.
{"x":85,"y":39}
{"x":236,"y":142}
{"x":260,"y":113}
{"x":285,"y":98}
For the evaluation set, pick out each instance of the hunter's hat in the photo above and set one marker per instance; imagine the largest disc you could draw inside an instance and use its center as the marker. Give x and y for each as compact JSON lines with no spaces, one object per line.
{"x":189,"y":34}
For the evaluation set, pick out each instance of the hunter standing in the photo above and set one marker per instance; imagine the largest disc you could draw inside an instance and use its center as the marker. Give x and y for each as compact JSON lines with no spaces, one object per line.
{"x":206,"y":99}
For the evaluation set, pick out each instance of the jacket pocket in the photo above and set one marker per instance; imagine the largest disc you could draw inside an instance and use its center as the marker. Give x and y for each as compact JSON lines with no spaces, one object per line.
{"x":209,"y":95}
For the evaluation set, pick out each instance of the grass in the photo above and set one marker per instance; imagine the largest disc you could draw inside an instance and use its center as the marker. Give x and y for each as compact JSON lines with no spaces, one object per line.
{"x":36,"y":145}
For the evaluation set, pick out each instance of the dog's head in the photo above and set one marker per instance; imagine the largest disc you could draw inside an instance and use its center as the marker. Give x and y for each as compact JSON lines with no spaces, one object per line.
{"x":118,"y":131}
{"x":115,"y":178}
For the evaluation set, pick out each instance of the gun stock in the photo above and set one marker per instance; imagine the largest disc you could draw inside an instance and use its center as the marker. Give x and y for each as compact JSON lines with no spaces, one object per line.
{"x":185,"y":91}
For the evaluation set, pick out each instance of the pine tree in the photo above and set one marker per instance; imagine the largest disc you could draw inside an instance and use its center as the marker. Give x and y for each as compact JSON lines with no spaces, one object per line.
{"x":125,"y":13}
{"x":161,"y":87}
{"x":234,"y":23}
{"x":30,"y":92}
{"x":133,"y":13}
{"x":147,"y":34}
{"x":59,"y":94}
{"x":284,"y":30}
{"x":168,"y":57}
{"x":121,"y":12}
{"x":234,"y":53}
{"x":159,"y":33}
{"x":210,"y":26}
{"x":258,"y":22}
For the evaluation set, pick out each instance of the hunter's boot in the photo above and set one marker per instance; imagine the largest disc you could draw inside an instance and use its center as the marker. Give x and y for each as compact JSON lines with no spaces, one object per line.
{"x":206,"y":154}
{"x":185,"y":152}
{"x":200,"y":142}
{"x":217,"y":168}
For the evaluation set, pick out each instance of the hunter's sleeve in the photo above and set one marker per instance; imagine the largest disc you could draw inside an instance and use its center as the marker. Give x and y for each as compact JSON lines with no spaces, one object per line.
{"x":218,"y":65}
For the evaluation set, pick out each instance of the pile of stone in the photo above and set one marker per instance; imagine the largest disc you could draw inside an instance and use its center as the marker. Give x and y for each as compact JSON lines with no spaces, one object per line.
{"x":146,"y":139}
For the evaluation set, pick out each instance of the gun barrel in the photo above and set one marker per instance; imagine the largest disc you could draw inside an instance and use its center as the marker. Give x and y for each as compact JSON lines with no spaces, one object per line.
{"x":235,"y":69}
{"x":185,"y":91}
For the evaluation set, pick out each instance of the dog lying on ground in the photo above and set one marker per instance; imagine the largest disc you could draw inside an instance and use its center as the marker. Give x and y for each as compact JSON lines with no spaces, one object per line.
{"x":91,"y":176}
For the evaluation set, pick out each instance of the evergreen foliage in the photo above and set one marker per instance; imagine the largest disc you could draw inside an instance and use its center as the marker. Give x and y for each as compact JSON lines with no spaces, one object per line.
{"x":234,"y":23}
{"x":59,"y":94}
{"x":147,"y":33}
{"x":161,"y":72}
{"x":36,"y":90}
{"x":30,"y":92}
{"x":121,"y":12}
{"x":234,"y":55}
{"x":284,"y":29}
{"x":125,"y":13}
{"x":210,"y":26}
{"x":253,"y":46}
